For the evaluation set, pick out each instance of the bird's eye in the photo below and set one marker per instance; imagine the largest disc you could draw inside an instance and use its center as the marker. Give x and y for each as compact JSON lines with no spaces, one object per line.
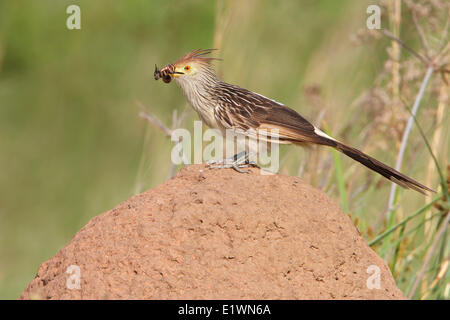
{"x":187,"y":68}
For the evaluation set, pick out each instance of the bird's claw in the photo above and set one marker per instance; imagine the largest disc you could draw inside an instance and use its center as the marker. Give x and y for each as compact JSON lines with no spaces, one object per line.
{"x":239,"y":160}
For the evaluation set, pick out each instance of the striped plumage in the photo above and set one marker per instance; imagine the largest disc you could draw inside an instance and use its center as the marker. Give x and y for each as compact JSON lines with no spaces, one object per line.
{"x":224,"y":106}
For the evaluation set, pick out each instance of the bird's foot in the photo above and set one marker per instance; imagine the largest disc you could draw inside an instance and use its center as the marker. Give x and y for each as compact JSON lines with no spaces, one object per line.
{"x":239,"y":160}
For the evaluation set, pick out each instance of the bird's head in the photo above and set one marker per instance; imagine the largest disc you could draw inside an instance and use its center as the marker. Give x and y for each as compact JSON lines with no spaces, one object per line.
{"x":188,"y":68}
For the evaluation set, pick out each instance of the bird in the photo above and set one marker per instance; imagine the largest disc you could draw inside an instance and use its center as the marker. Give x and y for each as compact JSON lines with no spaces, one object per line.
{"x":225,"y":106}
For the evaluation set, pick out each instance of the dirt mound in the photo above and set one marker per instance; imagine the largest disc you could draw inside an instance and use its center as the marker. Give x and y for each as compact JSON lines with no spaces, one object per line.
{"x":218,"y":234}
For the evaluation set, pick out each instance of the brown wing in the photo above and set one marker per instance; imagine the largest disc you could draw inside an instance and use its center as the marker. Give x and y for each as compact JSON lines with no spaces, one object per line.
{"x":244,"y":110}
{"x":241,"y":109}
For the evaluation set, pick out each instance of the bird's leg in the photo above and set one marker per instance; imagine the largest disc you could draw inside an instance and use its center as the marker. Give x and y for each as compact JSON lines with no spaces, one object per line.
{"x":239,"y":160}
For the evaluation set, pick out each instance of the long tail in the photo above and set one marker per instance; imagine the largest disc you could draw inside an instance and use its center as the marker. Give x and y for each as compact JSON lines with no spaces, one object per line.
{"x":293,"y":128}
{"x":381,"y":168}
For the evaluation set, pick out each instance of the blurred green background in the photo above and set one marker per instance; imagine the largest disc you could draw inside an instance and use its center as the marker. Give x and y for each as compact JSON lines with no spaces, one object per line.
{"x":72,"y":144}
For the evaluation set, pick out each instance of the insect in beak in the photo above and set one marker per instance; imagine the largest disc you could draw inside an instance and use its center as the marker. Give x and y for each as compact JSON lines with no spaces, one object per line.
{"x":165,"y":73}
